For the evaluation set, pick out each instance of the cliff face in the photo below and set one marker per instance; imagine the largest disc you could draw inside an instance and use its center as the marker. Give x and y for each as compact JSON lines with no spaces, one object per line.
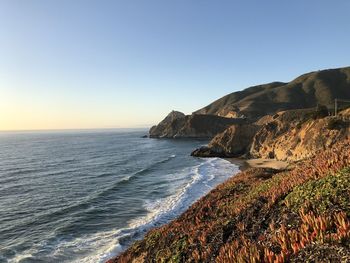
{"x":306,"y":91}
{"x":289,"y":135}
{"x":178,"y":125}
{"x":168,"y":127}
{"x":234,"y":141}
{"x":295,"y":138}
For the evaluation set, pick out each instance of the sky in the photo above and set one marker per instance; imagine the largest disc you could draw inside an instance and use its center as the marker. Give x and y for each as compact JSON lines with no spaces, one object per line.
{"x":71,"y":64}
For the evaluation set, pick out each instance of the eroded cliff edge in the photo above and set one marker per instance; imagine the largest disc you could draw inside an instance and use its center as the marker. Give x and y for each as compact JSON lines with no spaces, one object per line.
{"x":289,"y":135}
{"x":179,"y":125}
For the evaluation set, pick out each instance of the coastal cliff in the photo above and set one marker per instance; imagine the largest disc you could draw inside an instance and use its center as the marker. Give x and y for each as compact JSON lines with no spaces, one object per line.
{"x":297,"y":214}
{"x":289,"y":136}
{"x":292,"y":136}
{"x":179,"y":125}
{"x":234,"y":141}
{"x":251,"y":108}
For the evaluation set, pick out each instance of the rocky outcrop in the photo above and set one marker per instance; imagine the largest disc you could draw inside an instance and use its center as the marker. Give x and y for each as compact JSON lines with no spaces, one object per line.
{"x":306,"y":91}
{"x":178,"y":125}
{"x":288,"y":135}
{"x":234,"y":141}
{"x":294,"y":136}
{"x":167,"y":127}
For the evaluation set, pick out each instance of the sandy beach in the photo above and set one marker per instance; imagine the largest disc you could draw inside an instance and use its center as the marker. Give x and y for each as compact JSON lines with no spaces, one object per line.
{"x":267,"y":163}
{"x":259,"y":163}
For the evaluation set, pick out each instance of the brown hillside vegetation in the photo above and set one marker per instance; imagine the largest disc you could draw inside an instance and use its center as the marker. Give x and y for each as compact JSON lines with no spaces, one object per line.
{"x":306,"y":91}
{"x":261,"y":215}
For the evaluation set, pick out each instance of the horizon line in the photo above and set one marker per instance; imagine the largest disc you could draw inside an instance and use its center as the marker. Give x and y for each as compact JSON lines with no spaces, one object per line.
{"x":75,"y":129}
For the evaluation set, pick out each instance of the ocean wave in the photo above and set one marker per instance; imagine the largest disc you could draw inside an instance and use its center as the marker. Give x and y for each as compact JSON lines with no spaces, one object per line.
{"x":161,"y":211}
{"x":129,"y":178}
{"x":154,"y":165}
{"x":189,"y":184}
{"x":139,"y":172}
{"x":202,"y":176}
{"x":79,"y":208}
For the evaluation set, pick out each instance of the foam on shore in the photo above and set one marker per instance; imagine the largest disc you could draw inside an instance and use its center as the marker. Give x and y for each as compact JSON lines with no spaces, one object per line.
{"x":204,"y":177}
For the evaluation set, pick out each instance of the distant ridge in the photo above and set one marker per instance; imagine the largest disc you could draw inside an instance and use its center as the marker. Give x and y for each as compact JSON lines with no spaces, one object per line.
{"x":306,"y":91}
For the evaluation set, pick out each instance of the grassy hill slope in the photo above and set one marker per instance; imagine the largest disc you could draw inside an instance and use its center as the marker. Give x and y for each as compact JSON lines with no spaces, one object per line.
{"x":308,"y":90}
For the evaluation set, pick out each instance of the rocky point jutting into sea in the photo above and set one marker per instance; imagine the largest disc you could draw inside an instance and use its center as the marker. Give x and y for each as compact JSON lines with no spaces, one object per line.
{"x":298,"y":214}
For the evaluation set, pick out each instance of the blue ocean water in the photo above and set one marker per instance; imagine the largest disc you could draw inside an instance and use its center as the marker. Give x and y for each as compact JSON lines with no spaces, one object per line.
{"x":84,"y":196}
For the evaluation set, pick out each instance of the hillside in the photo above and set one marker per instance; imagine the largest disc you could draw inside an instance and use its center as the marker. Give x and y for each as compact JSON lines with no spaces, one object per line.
{"x":262,"y":215}
{"x":245,"y":107}
{"x":306,"y":91}
{"x":179,"y":125}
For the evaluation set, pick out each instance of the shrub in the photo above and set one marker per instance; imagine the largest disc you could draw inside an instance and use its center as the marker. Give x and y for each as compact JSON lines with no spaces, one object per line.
{"x":328,"y":193}
{"x":336,"y":124}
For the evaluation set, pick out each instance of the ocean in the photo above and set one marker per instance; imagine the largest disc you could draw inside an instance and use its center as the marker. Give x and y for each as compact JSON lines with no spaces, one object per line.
{"x":85,"y":196}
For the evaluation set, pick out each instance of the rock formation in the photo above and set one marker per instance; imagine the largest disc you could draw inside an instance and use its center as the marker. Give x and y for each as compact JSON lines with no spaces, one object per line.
{"x":295,"y":138}
{"x":167,"y":127}
{"x":288,"y":135}
{"x":178,"y":125}
{"x":234,"y":141}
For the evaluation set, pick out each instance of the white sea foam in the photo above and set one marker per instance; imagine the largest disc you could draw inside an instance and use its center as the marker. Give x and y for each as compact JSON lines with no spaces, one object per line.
{"x":203,"y":178}
{"x":20,"y":257}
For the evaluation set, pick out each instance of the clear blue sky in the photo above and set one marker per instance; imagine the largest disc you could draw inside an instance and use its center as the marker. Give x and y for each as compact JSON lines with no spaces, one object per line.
{"x":127,"y":63}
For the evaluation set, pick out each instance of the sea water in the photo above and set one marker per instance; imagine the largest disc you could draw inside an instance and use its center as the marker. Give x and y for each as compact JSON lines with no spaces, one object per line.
{"x":85,"y":196}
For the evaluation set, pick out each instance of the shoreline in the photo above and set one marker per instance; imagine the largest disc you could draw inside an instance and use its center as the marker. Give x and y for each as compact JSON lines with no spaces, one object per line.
{"x":152,"y":225}
{"x":238,"y":211}
{"x":242,"y":166}
{"x":245,"y":164}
